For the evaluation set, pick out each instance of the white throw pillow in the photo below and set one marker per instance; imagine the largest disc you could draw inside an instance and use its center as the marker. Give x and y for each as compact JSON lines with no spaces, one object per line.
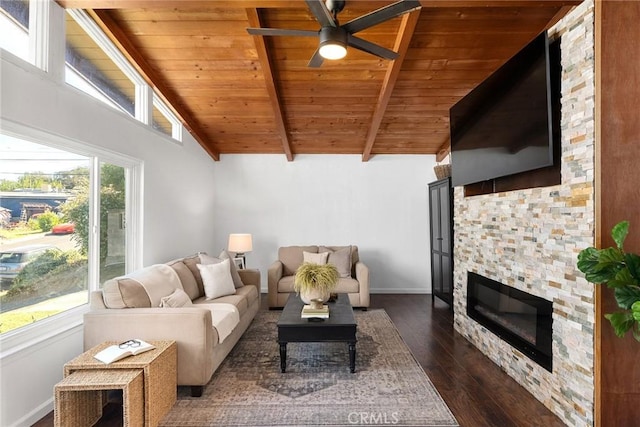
{"x":237,"y":280}
{"x":178,"y":298}
{"x":320,"y":258}
{"x":217,"y":279}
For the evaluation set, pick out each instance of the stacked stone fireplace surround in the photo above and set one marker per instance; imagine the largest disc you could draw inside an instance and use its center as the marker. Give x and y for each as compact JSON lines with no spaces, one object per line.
{"x":529,"y":239}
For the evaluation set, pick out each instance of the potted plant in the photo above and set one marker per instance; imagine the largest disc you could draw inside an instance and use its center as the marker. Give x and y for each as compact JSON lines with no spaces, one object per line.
{"x":620,"y":271}
{"x":315,"y":281}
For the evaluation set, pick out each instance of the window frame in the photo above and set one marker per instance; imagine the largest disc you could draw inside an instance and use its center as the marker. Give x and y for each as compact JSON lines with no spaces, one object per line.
{"x":145,"y":98}
{"x":28,"y":335}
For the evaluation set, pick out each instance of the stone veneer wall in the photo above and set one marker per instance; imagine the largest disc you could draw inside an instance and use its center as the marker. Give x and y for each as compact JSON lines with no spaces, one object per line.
{"x":529,"y":239}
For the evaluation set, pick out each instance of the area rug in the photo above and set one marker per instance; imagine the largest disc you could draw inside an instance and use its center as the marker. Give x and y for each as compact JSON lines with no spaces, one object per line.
{"x":388,"y":388}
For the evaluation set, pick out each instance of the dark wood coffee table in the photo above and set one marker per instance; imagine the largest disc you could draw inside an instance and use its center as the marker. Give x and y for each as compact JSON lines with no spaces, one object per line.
{"x":340,"y":326}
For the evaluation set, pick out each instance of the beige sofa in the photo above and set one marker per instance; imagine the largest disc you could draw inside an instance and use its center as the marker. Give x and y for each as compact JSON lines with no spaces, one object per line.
{"x":354,"y":279}
{"x":151,"y":304}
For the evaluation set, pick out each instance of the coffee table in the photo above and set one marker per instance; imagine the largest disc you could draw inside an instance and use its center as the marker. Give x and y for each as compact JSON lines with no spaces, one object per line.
{"x":340,"y":326}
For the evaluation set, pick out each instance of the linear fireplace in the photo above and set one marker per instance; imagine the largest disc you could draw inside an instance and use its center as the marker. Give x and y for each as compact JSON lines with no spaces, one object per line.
{"x":519,"y":318}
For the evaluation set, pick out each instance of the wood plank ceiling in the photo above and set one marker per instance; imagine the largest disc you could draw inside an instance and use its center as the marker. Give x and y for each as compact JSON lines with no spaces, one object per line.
{"x":238,"y":93}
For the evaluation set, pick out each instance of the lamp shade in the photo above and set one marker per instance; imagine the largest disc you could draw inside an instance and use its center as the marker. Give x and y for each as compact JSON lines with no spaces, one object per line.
{"x":240,"y":243}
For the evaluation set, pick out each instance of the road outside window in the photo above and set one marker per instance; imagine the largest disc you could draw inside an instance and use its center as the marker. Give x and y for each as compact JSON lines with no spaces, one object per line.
{"x":44,"y":230}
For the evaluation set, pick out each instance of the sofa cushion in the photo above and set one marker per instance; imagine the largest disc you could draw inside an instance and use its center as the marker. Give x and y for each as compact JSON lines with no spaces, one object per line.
{"x":129,"y":291}
{"x":125,"y":293}
{"x":291,"y":257}
{"x":216,"y":279}
{"x":189,"y":283}
{"x":192,"y":262}
{"x":237,"y":280}
{"x":319,"y":258}
{"x":285,"y":284}
{"x":340,"y":258}
{"x":344,"y":285}
{"x":240,"y":301}
{"x":250,"y":293}
{"x":347,"y":285}
{"x":178,"y":298}
{"x":225,"y":318}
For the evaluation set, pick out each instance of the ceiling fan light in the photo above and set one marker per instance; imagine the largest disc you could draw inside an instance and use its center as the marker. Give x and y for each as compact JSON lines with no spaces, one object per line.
{"x":332,"y":50}
{"x":333,"y":43}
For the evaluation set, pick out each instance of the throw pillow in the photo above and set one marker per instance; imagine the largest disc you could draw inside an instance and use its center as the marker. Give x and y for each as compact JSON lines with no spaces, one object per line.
{"x":237,"y":280}
{"x":320,"y":258}
{"x":189,"y":283}
{"x":208,"y":259}
{"x":341,"y":259}
{"x":217,"y":279}
{"x":178,"y":298}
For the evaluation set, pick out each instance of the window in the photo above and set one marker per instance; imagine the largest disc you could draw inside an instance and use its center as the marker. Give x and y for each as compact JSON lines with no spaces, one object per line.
{"x":92,"y":71}
{"x":14,"y":27}
{"x":164,"y":120}
{"x":50,"y":257}
{"x":160,"y":122}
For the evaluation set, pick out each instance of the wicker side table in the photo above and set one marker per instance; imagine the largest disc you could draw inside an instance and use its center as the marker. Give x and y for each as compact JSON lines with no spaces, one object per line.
{"x":159,"y":368}
{"x":79,"y":396}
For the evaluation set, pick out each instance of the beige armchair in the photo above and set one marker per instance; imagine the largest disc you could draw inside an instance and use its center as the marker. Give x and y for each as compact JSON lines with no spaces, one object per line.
{"x":354,"y":281}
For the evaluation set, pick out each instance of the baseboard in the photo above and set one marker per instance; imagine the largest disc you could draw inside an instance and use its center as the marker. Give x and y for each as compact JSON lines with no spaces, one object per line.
{"x":37,"y":414}
{"x":399,"y":291}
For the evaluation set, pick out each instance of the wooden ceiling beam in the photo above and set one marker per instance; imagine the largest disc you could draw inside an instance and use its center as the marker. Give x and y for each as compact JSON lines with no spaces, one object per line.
{"x":403,"y":39}
{"x":252,"y":4}
{"x":115,"y":33}
{"x":444,"y":150}
{"x":272,"y":90}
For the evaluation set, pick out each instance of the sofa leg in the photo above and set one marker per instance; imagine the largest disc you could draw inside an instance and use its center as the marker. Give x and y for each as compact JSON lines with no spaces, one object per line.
{"x":196,"y":390}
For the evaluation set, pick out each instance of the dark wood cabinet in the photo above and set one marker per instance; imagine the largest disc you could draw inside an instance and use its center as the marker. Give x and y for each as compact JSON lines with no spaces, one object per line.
{"x":441,"y":219}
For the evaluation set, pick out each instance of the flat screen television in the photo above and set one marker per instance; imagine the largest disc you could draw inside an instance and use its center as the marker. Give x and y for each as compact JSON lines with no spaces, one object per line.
{"x":505,"y":125}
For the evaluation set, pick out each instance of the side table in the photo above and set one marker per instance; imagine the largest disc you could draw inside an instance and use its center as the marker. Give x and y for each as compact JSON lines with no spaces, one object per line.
{"x":158,"y":367}
{"x":79,"y":397}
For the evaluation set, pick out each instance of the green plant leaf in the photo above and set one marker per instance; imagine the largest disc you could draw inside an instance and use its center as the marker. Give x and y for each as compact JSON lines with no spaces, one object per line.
{"x":588,"y":259}
{"x":623,"y":278}
{"x":635,"y":311}
{"x":600,"y":266}
{"x":610,"y":256}
{"x":603,"y":273}
{"x":619,"y":233}
{"x":626,"y":296}
{"x":633,"y":264}
{"x":621,"y":322}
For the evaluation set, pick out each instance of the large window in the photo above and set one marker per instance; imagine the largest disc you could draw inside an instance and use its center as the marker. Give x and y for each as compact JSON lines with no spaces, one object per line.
{"x":62,"y":229}
{"x":14,"y":27}
{"x":93,"y":64}
{"x":91,"y":70}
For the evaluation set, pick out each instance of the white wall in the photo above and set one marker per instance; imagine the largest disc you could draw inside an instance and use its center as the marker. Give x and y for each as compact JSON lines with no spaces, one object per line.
{"x":380,"y":205}
{"x":178,"y":205}
{"x":192,"y":203}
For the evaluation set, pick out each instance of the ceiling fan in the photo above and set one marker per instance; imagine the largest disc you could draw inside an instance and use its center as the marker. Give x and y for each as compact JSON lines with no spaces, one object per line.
{"x":334,"y":38}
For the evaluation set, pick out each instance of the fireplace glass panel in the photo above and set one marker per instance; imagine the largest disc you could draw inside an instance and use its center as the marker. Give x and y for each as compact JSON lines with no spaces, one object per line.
{"x":519,"y":318}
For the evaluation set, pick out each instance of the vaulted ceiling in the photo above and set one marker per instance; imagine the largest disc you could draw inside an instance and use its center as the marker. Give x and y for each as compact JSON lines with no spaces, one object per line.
{"x":238,"y":93}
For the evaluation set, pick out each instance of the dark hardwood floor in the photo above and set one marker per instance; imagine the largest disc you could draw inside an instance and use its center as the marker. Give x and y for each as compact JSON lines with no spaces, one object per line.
{"x":478,"y":393}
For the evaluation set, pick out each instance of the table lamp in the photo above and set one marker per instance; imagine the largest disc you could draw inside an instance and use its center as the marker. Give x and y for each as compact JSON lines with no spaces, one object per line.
{"x":240,"y":244}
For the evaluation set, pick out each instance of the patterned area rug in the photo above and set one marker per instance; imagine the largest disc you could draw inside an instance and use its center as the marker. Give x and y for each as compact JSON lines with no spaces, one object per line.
{"x":388,"y":388}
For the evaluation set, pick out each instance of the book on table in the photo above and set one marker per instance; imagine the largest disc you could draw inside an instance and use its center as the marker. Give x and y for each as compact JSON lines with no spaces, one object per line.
{"x":127,"y":348}
{"x":310,"y":312}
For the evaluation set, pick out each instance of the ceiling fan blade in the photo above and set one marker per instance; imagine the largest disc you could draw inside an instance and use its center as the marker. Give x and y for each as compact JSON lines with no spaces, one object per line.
{"x":371,"y":48}
{"x":322,"y":14}
{"x":281,"y":32}
{"x":316,"y":60}
{"x":383,"y":14}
